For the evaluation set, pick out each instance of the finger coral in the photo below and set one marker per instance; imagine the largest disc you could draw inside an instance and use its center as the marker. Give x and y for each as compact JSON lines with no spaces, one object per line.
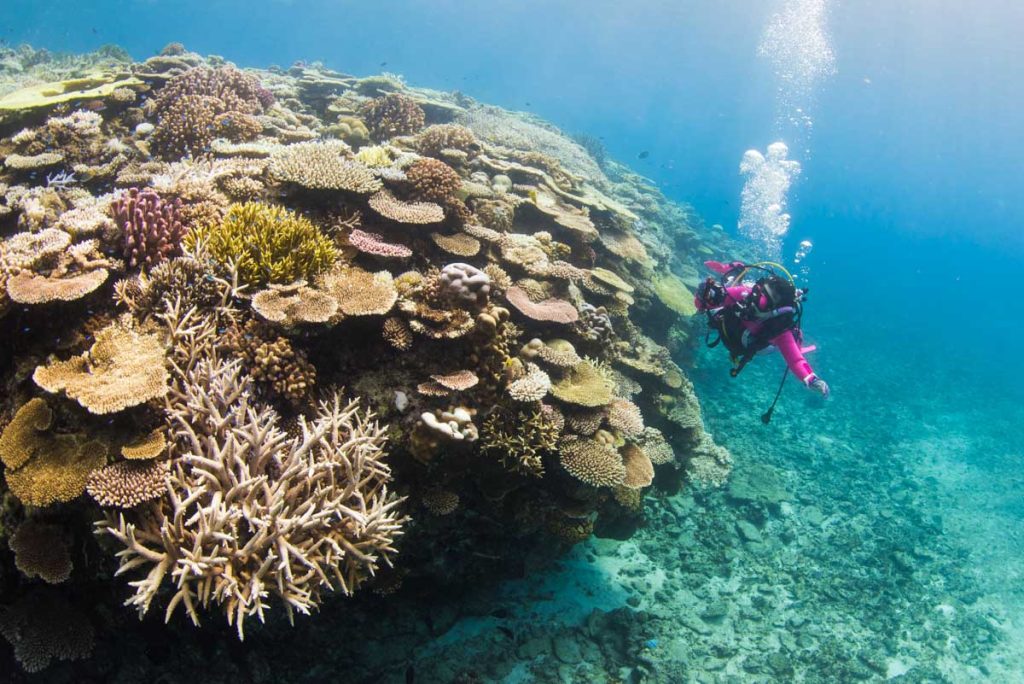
{"x":255,"y":517}
{"x":127,"y":484}
{"x":265,"y":244}
{"x":151,"y":227}
{"x":591,"y":462}
{"x":123,"y":368}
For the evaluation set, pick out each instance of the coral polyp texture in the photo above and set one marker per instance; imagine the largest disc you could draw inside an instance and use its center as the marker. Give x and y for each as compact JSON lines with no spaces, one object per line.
{"x":266,"y":360}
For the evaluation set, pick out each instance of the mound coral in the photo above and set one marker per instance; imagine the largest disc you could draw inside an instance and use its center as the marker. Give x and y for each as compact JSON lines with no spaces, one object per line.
{"x":433,"y":180}
{"x":433,"y":140}
{"x":253,"y":514}
{"x":265,"y":244}
{"x":150,"y":225}
{"x":391,"y":115}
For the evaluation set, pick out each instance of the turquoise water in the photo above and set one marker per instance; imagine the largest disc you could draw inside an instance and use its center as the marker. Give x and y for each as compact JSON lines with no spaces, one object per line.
{"x":891,"y":544}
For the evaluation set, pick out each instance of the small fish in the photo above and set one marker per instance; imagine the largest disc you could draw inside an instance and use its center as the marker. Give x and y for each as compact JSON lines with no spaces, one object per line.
{"x":643,"y":155}
{"x":95,"y":105}
{"x":383,"y":64}
{"x":94,"y":31}
{"x":528,"y":104}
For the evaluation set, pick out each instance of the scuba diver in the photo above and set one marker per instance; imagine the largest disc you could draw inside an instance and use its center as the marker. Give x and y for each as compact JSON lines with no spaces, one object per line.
{"x":750,"y":317}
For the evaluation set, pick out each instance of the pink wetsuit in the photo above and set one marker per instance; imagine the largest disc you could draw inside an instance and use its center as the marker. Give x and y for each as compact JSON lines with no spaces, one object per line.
{"x":787,"y":343}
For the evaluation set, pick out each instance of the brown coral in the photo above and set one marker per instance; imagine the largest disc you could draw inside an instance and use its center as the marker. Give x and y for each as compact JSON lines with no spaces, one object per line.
{"x":459,"y":244}
{"x":433,"y":180}
{"x":396,"y":332}
{"x":457,"y":381}
{"x":42,"y":627}
{"x":625,"y":416}
{"x":123,"y":368}
{"x":592,"y":462}
{"x":440,"y":501}
{"x":433,"y":140}
{"x":583,"y":385}
{"x":294,"y":304}
{"x":33,"y":288}
{"x":41,"y":550}
{"x":276,"y":366}
{"x":554,"y":310}
{"x":391,"y":115}
{"x":148,"y":447}
{"x":639,"y":469}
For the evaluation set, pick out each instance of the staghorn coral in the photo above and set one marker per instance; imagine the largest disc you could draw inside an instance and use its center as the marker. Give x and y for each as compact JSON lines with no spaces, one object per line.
{"x":265,"y":244}
{"x":127,"y":484}
{"x":385,"y":204}
{"x":42,"y":627}
{"x":41,"y":550}
{"x":433,"y":180}
{"x":520,"y":438}
{"x":591,"y":462}
{"x":122,"y":368}
{"x":322,"y":166}
{"x":391,"y":115}
{"x":151,"y":227}
{"x":253,"y":514}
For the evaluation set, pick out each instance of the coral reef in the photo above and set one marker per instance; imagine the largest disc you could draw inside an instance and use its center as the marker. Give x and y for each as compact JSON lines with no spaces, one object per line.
{"x":237,"y":283}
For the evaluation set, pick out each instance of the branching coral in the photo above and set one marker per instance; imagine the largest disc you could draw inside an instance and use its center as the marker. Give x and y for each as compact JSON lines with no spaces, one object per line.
{"x":266,"y":244}
{"x":277,"y":368}
{"x":127,"y":484}
{"x":151,"y":227}
{"x":253,"y":514}
{"x":592,"y":462}
{"x":520,"y":438}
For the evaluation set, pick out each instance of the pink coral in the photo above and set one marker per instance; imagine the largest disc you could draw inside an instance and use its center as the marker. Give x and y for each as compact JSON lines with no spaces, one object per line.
{"x":555,"y":310}
{"x":151,"y":226}
{"x":373,"y":243}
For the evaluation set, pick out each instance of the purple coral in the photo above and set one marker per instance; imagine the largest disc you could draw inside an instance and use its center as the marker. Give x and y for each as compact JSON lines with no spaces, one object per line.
{"x":151,"y":226}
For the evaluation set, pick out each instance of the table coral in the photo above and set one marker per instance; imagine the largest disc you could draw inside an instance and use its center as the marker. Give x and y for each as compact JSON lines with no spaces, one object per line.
{"x":123,"y":368}
{"x":583,"y":385}
{"x":592,"y":462}
{"x":41,"y":550}
{"x":385,"y":204}
{"x":322,"y":166}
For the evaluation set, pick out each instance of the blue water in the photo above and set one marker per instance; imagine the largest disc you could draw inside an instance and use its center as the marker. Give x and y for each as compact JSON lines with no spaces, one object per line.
{"x":912,"y":184}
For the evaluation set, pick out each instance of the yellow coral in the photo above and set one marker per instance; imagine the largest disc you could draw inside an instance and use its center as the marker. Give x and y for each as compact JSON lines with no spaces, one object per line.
{"x":267,"y":244}
{"x":674,"y":294}
{"x":359,"y":292}
{"x":89,"y":87}
{"x":583,"y":385}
